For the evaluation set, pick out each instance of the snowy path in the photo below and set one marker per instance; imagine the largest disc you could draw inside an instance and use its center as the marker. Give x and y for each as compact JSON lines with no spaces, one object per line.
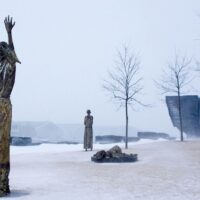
{"x":165,"y":171}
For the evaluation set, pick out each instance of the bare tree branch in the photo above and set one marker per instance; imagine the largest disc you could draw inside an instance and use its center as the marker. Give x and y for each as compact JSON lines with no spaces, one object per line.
{"x":124,"y":82}
{"x":174,"y":80}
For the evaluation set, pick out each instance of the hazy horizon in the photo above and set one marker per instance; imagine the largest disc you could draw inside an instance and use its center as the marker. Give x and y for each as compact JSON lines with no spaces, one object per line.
{"x":67,"y":47}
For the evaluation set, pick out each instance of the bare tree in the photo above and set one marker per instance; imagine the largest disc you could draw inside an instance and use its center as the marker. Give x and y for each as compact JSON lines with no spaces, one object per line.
{"x":174,"y":79}
{"x":123,"y":82}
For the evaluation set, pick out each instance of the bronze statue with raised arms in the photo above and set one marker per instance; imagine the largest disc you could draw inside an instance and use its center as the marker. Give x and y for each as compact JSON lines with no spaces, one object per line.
{"x":8,"y":60}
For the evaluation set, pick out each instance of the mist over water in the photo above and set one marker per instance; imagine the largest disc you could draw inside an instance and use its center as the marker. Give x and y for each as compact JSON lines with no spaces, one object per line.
{"x":67,"y":48}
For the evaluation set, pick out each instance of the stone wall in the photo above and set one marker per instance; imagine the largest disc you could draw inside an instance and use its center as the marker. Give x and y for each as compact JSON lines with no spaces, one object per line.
{"x":152,"y":135}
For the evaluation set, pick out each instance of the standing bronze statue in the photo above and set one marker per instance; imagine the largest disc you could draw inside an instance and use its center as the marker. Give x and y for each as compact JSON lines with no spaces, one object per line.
{"x":8,"y":61}
{"x":88,"y":134}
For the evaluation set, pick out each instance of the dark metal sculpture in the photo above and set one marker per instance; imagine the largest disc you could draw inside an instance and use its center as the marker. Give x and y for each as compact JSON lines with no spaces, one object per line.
{"x":190,"y":113}
{"x":88,"y":134}
{"x":113,"y":155}
{"x":8,"y":61}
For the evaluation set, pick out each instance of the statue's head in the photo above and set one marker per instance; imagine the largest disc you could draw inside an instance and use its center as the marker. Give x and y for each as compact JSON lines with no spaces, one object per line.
{"x":6,"y":53}
{"x":88,"y":112}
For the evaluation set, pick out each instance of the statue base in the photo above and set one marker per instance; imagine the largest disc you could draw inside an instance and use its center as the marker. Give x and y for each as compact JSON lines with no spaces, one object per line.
{"x":114,"y":155}
{"x":5,"y":126}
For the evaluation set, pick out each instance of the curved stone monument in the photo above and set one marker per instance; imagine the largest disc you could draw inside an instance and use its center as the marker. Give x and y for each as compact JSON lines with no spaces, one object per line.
{"x":190,"y":106}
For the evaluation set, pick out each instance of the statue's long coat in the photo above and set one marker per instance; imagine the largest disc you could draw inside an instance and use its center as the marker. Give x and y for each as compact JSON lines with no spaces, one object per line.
{"x":7,"y":79}
{"x":88,"y":134}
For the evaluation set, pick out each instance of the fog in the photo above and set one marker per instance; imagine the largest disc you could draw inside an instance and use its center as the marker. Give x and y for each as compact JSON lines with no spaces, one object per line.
{"x":67,"y":47}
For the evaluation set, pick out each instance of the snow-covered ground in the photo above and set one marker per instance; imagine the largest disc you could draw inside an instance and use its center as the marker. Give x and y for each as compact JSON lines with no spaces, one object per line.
{"x":166,"y":170}
{"x":56,"y":148}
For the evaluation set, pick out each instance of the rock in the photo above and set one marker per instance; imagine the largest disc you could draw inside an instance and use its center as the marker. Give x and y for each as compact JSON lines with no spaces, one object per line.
{"x":113,"y":155}
{"x":100,"y":155}
{"x":106,"y":139}
{"x":115,"y":149}
{"x":21,"y":141}
{"x":152,"y":135}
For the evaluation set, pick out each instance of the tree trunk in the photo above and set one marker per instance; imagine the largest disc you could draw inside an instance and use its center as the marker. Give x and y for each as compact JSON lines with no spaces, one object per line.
{"x":180,"y":115}
{"x":126,"y":138}
{"x":5,"y":126}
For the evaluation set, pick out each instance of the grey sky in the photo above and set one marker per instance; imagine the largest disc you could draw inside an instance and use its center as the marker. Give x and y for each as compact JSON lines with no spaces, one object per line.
{"x":66,"y":48}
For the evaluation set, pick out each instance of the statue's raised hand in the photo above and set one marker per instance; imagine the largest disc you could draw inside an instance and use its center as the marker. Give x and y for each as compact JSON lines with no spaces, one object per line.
{"x":9,"y":24}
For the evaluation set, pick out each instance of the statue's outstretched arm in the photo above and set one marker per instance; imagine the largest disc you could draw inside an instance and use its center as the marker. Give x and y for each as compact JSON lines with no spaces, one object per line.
{"x":9,"y":24}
